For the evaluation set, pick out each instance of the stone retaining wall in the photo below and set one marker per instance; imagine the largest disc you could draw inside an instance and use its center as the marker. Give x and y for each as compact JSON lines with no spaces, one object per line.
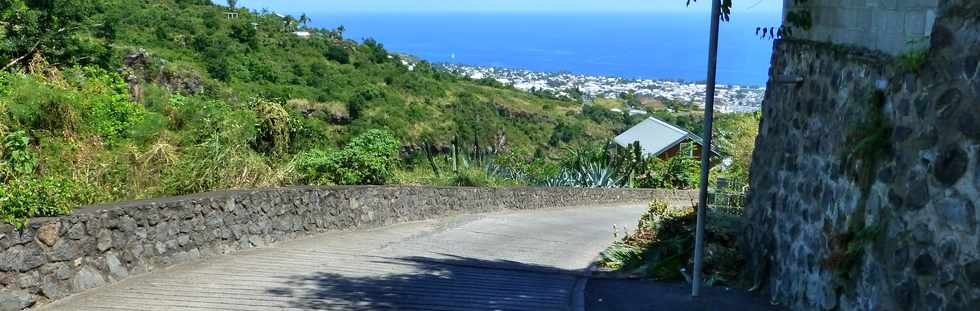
{"x":894,"y":227}
{"x":94,"y":246}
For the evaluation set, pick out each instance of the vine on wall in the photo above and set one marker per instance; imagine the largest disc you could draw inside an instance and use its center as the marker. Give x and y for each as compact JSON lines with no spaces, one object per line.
{"x":869,"y":146}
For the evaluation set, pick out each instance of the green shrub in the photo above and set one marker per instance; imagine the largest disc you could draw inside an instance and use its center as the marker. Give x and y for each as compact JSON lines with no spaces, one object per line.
{"x":477,"y":177}
{"x":679,"y":172}
{"x":468,"y":178}
{"x":274,"y":128}
{"x":521,"y":164}
{"x":215,"y":166}
{"x":33,"y":104}
{"x":106,"y":103}
{"x":662,"y":245}
{"x":620,"y":254}
{"x":15,"y":156}
{"x":221,"y":156}
{"x":914,"y":60}
{"x":26,"y":197}
{"x":338,"y":54}
{"x":199,"y":120}
{"x":149,"y":128}
{"x":370,"y":158}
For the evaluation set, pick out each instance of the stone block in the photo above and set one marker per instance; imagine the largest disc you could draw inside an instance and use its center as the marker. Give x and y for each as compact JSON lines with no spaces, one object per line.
{"x":15,"y":300}
{"x":76,"y":231}
{"x":104,"y":240}
{"x":915,"y":24}
{"x":58,"y":270}
{"x":66,"y":250}
{"x":87,"y":278}
{"x":845,"y":18}
{"x":20,"y":258}
{"x":54,"y":289}
{"x":950,"y":165}
{"x":888,"y":4}
{"x":48,"y":233}
{"x":29,"y":281}
{"x":116,"y":268}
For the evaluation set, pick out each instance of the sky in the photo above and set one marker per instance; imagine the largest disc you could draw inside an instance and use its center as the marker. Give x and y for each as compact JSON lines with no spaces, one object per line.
{"x":491,"y":6}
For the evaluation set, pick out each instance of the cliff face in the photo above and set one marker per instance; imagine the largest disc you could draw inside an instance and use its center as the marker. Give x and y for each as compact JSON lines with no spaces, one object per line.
{"x":866,"y":174}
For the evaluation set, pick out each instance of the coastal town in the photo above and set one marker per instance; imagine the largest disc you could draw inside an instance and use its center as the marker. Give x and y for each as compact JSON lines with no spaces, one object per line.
{"x":729,"y":98}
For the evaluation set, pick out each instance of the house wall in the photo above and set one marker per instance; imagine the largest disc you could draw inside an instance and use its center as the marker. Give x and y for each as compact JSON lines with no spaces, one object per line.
{"x":676,"y":150}
{"x":885,"y":25}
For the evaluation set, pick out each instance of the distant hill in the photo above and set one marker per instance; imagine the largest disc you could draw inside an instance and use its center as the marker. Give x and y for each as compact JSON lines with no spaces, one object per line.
{"x":198,"y":49}
{"x":120,"y":99}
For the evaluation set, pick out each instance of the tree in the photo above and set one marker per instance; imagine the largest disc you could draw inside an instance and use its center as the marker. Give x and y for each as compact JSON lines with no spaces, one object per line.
{"x":290,"y":23}
{"x":375,"y":50}
{"x":48,"y":28}
{"x":304,"y":20}
{"x":232,"y":4}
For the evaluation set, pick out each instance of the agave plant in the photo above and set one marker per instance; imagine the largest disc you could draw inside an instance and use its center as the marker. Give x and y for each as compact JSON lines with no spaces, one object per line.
{"x":588,"y":175}
{"x":595,"y":175}
{"x":563,"y":179}
{"x":500,"y":171}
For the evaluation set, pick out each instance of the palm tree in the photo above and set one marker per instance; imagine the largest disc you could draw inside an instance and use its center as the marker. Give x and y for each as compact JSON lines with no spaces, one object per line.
{"x":304,"y":19}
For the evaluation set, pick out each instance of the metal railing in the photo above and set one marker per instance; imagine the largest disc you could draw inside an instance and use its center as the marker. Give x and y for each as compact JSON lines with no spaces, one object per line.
{"x":728,"y":202}
{"x":724,"y":198}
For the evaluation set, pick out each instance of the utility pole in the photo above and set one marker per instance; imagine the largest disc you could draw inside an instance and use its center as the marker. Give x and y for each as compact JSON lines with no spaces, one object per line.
{"x":709,"y":109}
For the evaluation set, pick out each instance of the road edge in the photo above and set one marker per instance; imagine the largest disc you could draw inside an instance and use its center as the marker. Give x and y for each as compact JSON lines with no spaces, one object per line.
{"x":578,"y":296}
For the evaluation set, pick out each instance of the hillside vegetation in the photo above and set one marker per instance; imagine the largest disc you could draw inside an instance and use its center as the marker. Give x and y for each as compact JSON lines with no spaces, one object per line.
{"x":107,"y":100}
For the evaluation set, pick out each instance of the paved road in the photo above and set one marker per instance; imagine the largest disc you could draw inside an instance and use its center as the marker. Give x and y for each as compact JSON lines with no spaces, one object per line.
{"x":528,"y":260}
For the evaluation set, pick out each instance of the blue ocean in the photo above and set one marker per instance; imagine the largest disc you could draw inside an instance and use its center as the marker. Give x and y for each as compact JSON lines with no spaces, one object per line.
{"x":637,"y":46}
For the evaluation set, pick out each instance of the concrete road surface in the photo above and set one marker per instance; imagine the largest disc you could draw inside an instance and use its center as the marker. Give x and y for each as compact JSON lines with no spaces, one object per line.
{"x":526,"y":260}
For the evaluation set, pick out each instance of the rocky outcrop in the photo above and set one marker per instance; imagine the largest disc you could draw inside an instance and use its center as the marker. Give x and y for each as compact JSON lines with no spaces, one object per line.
{"x":866,"y":175}
{"x":141,"y":67}
{"x":95,"y":246}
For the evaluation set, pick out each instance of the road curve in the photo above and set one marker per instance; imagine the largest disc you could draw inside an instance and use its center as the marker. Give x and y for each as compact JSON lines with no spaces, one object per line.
{"x":521,"y":260}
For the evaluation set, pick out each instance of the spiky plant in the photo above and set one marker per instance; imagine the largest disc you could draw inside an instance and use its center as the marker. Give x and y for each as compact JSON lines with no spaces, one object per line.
{"x":595,"y":175}
{"x":563,"y":179}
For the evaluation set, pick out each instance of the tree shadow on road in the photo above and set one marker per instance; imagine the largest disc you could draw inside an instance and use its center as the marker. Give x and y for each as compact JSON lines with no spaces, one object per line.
{"x":442,"y":282}
{"x":446,"y":282}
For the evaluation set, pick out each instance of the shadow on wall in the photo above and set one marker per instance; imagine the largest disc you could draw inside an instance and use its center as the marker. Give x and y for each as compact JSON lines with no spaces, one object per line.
{"x":446,"y":282}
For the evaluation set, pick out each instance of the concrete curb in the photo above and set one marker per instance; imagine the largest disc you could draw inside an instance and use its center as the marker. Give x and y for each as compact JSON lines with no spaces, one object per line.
{"x":578,"y":296}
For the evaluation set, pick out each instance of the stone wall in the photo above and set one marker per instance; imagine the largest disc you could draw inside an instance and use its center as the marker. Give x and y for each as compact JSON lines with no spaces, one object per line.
{"x":885,"y":25}
{"x":842,"y":220}
{"x":55,"y":257}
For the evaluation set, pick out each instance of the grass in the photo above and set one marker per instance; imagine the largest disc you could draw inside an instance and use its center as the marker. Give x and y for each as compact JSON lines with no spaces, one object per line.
{"x":913,"y":61}
{"x":610,"y":103}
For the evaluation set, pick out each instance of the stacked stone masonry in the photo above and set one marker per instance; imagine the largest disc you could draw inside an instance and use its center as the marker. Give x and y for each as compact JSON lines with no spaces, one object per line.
{"x":918,"y":243}
{"x":55,"y":257}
